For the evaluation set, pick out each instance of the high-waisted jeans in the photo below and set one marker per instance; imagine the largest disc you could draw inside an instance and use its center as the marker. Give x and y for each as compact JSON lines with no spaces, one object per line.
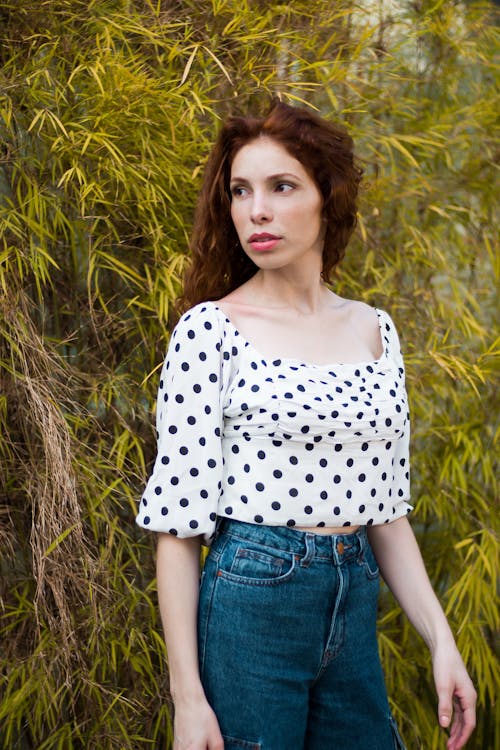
{"x":287,"y":643}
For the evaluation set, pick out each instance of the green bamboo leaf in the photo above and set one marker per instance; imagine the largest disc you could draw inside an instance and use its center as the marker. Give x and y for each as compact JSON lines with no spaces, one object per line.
{"x":188,"y":65}
{"x":59,"y":540}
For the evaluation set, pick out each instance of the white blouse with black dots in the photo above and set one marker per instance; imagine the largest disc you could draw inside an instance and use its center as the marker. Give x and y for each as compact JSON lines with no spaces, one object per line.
{"x":279,"y":442}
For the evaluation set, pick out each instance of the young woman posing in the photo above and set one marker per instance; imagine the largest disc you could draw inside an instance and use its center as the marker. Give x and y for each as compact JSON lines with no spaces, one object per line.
{"x":283,"y":435}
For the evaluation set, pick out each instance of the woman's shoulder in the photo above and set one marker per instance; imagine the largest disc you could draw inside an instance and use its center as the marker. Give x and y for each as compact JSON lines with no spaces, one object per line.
{"x":201,"y":317}
{"x":359,"y":311}
{"x":362,"y":317}
{"x":364,"y":314}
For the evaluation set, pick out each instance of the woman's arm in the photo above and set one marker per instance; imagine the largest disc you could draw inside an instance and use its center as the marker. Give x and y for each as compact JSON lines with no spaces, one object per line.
{"x":402,"y":567}
{"x":178,"y":572}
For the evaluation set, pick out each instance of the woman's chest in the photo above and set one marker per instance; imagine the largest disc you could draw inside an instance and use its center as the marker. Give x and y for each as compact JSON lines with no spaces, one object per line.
{"x":315,"y":403}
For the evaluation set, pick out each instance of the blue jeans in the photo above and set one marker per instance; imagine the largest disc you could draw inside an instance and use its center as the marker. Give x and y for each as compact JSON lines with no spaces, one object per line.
{"x":287,"y":642}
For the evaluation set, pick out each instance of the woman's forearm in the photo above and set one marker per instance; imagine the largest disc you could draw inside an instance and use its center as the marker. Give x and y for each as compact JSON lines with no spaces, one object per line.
{"x":402,"y":568}
{"x":178,"y":571}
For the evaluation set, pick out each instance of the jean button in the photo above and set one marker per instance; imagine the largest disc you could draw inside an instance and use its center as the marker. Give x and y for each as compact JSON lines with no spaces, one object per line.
{"x":340,"y":548}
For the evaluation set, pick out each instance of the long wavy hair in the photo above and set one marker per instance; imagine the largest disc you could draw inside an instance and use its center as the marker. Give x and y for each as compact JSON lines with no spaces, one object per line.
{"x":218,"y":263}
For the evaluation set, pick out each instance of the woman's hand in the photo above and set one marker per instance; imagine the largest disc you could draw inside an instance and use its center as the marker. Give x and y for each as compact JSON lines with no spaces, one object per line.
{"x":456,"y":695}
{"x":196,"y":727}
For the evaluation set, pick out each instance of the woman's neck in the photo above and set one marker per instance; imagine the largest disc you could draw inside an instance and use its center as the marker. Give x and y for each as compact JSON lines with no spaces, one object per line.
{"x":306,"y":293}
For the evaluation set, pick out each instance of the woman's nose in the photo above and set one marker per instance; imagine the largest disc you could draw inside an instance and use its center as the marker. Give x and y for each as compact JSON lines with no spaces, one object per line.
{"x":260,"y":209}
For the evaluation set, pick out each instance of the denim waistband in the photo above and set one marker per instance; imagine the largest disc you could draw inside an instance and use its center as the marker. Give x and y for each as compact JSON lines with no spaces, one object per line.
{"x":335,"y":547}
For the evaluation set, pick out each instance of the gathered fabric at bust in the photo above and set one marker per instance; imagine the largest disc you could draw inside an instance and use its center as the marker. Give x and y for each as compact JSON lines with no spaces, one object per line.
{"x":279,"y":442}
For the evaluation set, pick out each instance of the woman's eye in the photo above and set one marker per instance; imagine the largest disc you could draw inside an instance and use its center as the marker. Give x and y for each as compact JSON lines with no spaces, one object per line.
{"x":284,"y":187}
{"x":238,"y":191}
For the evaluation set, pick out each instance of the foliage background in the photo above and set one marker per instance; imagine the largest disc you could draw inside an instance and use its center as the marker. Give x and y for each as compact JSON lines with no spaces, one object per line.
{"x":108,"y":109}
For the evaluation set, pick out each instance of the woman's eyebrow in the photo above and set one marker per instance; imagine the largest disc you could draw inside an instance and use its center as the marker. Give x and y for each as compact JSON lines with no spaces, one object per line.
{"x":269,"y":178}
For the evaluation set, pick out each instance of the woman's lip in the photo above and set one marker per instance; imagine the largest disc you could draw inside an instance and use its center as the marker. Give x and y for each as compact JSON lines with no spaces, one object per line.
{"x":264,"y":244}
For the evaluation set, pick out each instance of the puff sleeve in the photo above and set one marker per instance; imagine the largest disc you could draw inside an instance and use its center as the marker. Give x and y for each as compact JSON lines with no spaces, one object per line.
{"x":183,"y":490}
{"x":401,"y":459}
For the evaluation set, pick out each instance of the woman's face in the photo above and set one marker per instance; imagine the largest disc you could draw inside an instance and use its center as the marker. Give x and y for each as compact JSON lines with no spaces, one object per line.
{"x":276,"y":206}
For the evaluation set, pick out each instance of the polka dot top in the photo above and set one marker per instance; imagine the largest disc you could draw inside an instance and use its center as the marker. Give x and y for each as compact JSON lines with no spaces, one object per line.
{"x":280,"y":442}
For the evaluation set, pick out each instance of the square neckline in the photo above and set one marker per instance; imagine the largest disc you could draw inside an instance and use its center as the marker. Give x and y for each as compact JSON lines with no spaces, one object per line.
{"x":298,"y":362}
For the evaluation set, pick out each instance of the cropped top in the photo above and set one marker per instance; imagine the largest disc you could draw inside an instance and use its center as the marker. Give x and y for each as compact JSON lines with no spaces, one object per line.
{"x":280,"y":442}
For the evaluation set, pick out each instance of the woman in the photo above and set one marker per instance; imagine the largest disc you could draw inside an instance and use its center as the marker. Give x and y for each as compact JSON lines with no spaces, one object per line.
{"x":283,"y":441}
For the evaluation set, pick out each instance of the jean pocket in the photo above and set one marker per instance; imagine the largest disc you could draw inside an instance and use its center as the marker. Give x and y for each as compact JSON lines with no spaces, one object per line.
{"x":368,"y":562}
{"x":242,"y":563}
{"x":233,"y":743}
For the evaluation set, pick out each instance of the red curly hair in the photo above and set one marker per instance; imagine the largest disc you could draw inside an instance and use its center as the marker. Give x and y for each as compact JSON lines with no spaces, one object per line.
{"x":218,"y":262}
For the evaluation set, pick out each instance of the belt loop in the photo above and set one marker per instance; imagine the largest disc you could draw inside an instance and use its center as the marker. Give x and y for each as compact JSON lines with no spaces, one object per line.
{"x":310,"y":549}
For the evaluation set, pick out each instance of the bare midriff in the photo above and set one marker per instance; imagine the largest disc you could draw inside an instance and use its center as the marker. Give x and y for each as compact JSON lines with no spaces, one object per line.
{"x":328,"y":530}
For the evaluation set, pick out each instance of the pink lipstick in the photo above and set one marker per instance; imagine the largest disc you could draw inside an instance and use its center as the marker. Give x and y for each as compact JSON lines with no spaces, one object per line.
{"x":263,"y":241}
